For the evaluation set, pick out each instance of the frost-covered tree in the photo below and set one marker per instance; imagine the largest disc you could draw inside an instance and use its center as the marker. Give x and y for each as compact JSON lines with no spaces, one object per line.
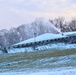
{"x":13,"y":36}
{"x":2,"y":41}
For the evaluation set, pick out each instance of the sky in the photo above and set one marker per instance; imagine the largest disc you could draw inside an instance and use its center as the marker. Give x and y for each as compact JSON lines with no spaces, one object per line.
{"x":16,"y":12}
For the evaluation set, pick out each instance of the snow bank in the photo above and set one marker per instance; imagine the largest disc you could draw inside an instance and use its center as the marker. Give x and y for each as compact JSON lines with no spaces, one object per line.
{"x":47,"y":72}
{"x":70,"y":33}
{"x":62,"y":72}
{"x":17,"y":50}
{"x":46,"y":37}
{"x":1,"y":52}
{"x":42,"y":37}
{"x":57,"y":46}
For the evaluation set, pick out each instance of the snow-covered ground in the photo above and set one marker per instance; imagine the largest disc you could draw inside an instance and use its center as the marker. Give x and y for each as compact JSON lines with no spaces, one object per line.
{"x":49,"y":46}
{"x":1,"y":52}
{"x":45,"y":72}
{"x":42,"y":37}
{"x":47,"y":36}
{"x":59,"y":64}
{"x":56,"y":46}
{"x":61,"y":72}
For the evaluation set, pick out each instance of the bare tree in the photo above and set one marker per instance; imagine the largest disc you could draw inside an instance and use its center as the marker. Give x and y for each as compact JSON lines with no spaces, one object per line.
{"x":72,"y":25}
{"x":59,"y":23}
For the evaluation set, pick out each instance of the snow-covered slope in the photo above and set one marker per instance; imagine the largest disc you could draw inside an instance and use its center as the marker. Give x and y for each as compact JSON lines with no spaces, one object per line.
{"x":60,"y":72}
{"x":38,"y":63}
{"x":50,"y":46}
{"x":70,"y":33}
{"x":44,"y":72}
{"x":47,"y":36}
{"x":43,"y":37}
{"x":1,"y":52}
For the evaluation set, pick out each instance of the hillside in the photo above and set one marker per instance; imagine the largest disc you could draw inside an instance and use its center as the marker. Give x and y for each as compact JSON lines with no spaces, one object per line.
{"x":44,"y":37}
{"x":45,"y":62}
{"x":51,"y":59}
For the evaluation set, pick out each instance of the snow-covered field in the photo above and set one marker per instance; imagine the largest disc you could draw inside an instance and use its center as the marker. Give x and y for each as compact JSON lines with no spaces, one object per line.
{"x":47,"y":62}
{"x":47,"y":36}
{"x":42,"y":37}
{"x":61,"y":72}
{"x":55,"y":46}
{"x":44,"y":72}
{"x":50,"y":46}
{"x":50,"y":59}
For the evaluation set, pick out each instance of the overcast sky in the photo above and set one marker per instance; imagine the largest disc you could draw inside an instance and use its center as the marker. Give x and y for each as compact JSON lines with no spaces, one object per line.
{"x":16,"y":12}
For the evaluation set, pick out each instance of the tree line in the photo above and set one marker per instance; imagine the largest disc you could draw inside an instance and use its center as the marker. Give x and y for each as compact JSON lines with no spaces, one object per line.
{"x":63,"y":25}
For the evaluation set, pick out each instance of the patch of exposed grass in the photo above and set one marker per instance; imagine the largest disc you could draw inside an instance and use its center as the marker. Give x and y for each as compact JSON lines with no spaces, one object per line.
{"x":37,"y":60}
{"x":35,"y":55}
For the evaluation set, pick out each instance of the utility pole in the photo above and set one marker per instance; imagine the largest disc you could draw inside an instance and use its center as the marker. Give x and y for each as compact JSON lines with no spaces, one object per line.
{"x":34,"y":40}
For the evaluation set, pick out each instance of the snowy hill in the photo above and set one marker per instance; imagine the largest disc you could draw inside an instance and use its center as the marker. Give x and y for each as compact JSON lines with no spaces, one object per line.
{"x":44,"y":37}
{"x":46,"y":62}
{"x":50,"y":59}
{"x":29,"y":44}
{"x":47,"y":36}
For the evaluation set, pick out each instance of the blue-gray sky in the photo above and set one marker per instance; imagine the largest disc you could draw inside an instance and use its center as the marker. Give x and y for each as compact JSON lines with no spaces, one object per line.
{"x":16,"y":12}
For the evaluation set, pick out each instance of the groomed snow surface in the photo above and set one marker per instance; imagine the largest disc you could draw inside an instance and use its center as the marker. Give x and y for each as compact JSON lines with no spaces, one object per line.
{"x":42,"y":37}
{"x":47,"y":36}
{"x":57,"y":46}
{"x":44,"y":72}
{"x":62,"y":72}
